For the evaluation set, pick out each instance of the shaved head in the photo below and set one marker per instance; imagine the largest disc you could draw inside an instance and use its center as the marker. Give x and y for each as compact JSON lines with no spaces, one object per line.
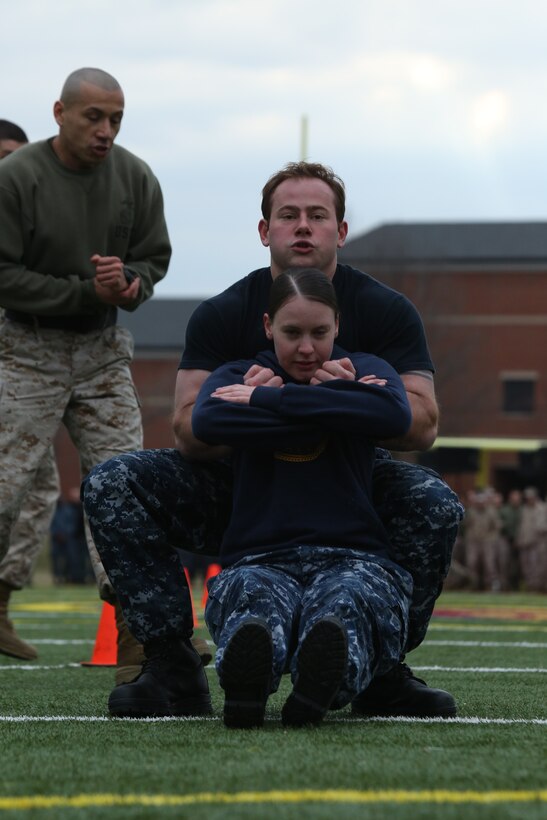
{"x":94,"y":76}
{"x":89,"y":115}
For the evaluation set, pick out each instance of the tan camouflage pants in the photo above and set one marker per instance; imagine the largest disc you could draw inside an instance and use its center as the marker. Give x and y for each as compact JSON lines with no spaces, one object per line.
{"x":32,"y":527}
{"x":52,"y":377}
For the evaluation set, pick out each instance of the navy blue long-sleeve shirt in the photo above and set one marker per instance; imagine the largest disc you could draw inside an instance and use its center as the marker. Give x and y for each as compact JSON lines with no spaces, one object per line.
{"x":303,"y":455}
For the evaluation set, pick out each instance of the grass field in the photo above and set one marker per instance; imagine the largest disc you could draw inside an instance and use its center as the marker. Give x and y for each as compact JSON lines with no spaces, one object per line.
{"x":62,"y":757}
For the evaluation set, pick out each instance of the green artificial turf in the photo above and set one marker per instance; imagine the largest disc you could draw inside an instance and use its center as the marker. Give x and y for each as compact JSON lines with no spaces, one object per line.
{"x":335,"y":771}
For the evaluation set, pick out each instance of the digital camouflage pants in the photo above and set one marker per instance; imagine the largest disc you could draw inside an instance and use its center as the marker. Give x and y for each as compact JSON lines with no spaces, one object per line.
{"x":52,"y":377}
{"x":142,"y":505}
{"x":292,"y":590}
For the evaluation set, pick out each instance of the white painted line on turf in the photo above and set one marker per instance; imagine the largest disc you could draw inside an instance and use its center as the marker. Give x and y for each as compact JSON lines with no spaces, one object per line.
{"x":470,"y":721}
{"x":26,"y":667}
{"x":94,"y":719}
{"x":514,"y":644}
{"x":532,"y":628}
{"x":479,"y":669}
{"x":104,"y":718}
{"x":64,"y":641}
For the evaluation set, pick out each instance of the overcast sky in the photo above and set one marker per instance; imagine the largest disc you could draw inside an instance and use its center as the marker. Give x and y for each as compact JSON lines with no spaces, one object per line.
{"x":430,"y":110}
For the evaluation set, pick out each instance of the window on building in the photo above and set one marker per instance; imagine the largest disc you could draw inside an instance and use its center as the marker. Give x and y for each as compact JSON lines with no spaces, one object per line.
{"x":519,"y":393}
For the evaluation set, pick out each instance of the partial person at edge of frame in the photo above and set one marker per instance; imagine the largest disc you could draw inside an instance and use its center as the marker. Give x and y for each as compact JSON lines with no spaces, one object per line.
{"x":30,"y":532}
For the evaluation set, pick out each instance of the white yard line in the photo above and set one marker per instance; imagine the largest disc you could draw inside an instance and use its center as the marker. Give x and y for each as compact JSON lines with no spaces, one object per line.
{"x":435,"y":626}
{"x":480,"y":669}
{"x":26,"y":667}
{"x":514,"y":644}
{"x":102,"y":718}
{"x":62,"y":641}
{"x":426,"y":643}
{"x":465,"y":720}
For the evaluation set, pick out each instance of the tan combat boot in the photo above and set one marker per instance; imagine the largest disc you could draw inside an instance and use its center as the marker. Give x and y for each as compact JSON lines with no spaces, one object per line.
{"x":10,"y":642}
{"x":131,"y":654}
{"x":203,"y":649}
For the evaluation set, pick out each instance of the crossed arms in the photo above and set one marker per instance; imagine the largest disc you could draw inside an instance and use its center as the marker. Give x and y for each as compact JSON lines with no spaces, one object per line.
{"x":418,"y":386}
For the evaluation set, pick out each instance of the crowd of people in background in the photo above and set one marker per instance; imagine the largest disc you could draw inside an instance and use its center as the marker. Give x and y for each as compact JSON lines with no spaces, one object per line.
{"x":501,"y":546}
{"x":502,"y":542}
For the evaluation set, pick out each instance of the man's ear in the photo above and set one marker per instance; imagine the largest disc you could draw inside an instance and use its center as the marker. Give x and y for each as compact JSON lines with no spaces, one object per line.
{"x":263,"y":230}
{"x":58,"y":111}
{"x":342,"y":234}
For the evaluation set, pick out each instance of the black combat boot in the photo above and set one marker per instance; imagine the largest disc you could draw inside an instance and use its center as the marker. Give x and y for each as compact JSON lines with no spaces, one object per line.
{"x":172,"y":683}
{"x":246,"y":674}
{"x":321,"y":665}
{"x":399,"y":693}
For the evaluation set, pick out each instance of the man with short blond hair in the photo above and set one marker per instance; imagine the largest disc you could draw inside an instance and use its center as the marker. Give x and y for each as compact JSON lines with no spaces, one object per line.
{"x":141,"y":506}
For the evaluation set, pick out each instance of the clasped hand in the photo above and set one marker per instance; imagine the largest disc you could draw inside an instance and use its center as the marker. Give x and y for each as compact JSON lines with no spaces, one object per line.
{"x":110,"y":283}
{"x":342,"y":369}
{"x":258,"y":376}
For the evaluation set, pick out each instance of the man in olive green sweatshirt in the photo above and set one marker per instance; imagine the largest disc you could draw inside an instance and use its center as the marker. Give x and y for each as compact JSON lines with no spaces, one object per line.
{"x":83,"y":234}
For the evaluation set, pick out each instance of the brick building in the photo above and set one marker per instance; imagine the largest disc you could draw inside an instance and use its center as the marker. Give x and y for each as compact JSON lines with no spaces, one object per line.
{"x":481,"y":289}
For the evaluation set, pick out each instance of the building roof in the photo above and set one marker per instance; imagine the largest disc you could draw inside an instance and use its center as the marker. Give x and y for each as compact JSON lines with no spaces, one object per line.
{"x":456,"y":242}
{"x":159,"y":324}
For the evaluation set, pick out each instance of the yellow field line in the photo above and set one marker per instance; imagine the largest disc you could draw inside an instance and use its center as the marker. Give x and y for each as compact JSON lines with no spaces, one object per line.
{"x":306,"y":796}
{"x":88,"y":607}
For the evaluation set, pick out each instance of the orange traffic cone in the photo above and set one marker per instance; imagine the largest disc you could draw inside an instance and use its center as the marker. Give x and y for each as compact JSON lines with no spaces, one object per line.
{"x":212,"y":570}
{"x":105,"y":651}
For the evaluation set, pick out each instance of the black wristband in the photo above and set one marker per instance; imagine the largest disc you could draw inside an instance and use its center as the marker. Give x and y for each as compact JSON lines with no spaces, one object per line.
{"x":129,"y":275}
